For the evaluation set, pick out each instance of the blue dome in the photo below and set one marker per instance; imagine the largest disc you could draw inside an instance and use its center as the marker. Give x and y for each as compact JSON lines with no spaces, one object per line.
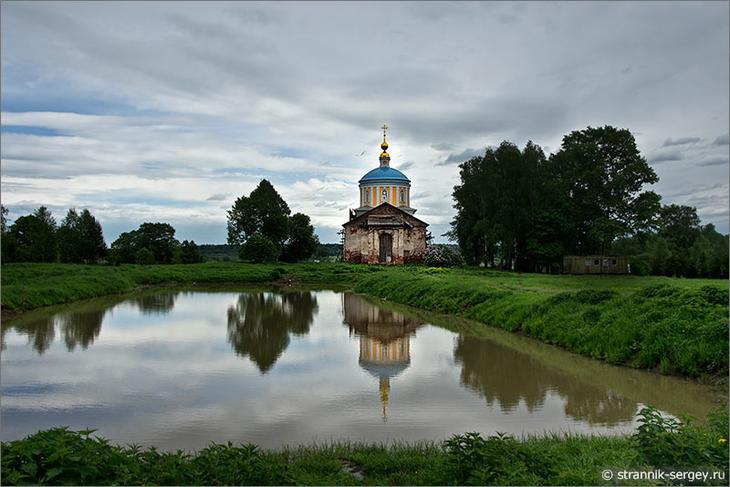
{"x":384,"y":174}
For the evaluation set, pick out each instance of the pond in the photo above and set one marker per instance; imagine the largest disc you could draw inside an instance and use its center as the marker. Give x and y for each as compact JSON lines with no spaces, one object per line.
{"x":179,"y":369}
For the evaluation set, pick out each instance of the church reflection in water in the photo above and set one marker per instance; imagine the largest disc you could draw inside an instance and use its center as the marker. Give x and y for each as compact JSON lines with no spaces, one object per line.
{"x":384,"y":335}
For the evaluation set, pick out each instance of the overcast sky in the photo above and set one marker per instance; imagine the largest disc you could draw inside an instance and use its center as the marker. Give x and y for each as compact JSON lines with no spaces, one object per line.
{"x":168,"y":112}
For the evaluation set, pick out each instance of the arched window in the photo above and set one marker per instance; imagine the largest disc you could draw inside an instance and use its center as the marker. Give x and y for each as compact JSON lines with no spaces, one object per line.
{"x":402,"y":196}
{"x":367,"y":195}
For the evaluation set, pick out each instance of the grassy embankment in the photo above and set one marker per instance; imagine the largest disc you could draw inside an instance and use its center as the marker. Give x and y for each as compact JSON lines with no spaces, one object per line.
{"x":677,"y":326}
{"x":61,"y":457}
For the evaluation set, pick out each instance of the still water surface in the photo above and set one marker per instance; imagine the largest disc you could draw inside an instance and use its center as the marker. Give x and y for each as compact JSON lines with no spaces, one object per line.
{"x":181,"y":369}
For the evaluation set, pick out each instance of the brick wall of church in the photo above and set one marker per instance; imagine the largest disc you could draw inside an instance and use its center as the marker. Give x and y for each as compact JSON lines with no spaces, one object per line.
{"x":363,"y":244}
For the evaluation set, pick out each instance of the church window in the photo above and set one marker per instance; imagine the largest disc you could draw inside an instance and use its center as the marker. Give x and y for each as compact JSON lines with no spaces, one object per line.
{"x":367,"y":195}
{"x":402,"y":196}
{"x":385,"y":194}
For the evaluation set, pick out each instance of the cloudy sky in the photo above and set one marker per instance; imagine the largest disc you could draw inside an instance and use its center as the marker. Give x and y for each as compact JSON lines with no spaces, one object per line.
{"x":169,"y":111}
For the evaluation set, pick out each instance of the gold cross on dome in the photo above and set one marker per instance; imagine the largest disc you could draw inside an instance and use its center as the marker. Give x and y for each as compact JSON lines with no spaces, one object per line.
{"x":384,"y":127}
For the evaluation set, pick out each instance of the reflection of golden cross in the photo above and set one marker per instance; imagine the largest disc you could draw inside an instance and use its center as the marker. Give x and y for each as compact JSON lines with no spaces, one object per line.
{"x":384,"y":127}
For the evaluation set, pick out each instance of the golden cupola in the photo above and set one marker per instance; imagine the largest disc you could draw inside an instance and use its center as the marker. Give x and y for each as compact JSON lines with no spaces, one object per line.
{"x":384,"y":156}
{"x":384,"y":184}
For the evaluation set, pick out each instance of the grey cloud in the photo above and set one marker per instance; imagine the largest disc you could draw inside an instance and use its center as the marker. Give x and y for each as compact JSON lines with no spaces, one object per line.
{"x":462,"y":156}
{"x":722,"y":140}
{"x":666,"y":156}
{"x":696,"y":189}
{"x":218,"y":197}
{"x":443,"y":146}
{"x":406,"y":165}
{"x":681,"y":141}
{"x":715,"y":161}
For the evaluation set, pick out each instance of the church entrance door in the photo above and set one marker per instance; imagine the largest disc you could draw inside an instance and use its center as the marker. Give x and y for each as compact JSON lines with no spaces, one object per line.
{"x":386,"y":248}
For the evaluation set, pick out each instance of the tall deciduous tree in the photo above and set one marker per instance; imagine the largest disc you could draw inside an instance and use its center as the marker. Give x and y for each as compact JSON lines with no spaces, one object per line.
{"x":35,"y":237}
{"x":302,"y":241}
{"x":157,"y":238}
{"x":263,"y":212}
{"x":69,"y":238}
{"x":80,"y":238}
{"x":600,"y":173}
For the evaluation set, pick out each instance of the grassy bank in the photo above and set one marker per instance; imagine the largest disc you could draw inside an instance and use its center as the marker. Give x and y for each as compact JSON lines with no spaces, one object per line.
{"x":675,"y":326}
{"x":62,"y":457}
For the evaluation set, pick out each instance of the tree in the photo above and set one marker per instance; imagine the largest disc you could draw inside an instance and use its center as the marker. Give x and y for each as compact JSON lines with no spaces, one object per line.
{"x":69,"y":238}
{"x":35,"y":237}
{"x":124,"y":248}
{"x":7,"y":240}
{"x":680,"y":227}
{"x":601,"y":172}
{"x":144,"y":256}
{"x":258,"y":249}
{"x":497,"y":206}
{"x":263,"y":212}
{"x":157,"y":238}
{"x":92,"y":246}
{"x":302,"y":241}
{"x":3,"y":219}
{"x":80,"y":238}
{"x":189,"y":253}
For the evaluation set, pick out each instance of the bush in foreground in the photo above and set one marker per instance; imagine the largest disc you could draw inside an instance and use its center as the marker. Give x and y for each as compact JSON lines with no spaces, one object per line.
{"x":59,"y":456}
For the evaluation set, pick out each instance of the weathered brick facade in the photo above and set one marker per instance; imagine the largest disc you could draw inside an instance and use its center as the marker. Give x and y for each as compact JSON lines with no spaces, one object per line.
{"x":387,"y":235}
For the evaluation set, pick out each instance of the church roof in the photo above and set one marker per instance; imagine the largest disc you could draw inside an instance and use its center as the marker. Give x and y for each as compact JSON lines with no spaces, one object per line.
{"x":384,"y":173}
{"x":384,"y":369}
{"x":382,"y":209}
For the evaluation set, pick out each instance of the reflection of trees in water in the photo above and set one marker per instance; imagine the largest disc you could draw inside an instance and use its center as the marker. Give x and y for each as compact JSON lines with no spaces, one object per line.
{"x":508,"y":376}
{"x":40,"y":332}
{"x":159,"y":303}
{"x":260,"y":323}
{"x":82,"y":326}
{"x":77,"y":328}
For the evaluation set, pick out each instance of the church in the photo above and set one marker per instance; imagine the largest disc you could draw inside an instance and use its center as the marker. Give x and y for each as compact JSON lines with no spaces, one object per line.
{"x":383,"y":229}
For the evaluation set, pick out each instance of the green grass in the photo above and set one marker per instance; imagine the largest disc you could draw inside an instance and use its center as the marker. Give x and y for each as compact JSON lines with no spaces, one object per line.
{"x":62,"y":457}
{"x":675,"y":326}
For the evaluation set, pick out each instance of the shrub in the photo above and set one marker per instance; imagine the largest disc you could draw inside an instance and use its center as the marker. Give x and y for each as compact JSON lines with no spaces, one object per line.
{"x":58,"y":456}
{"x":640,"y":267}
{"x":497,"y":460}
{"x":258,"y":248}
{"x":442,"y":256}
{"x":668,"y":442}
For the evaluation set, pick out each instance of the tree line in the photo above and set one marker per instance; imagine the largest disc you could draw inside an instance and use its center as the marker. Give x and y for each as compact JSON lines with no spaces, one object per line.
{"x":80,"y":239}
{"x":260,"y":225}
{"x":523,"y":210}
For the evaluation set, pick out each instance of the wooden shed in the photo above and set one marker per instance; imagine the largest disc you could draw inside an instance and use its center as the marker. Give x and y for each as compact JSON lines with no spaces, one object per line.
{"x":596,"y":264}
